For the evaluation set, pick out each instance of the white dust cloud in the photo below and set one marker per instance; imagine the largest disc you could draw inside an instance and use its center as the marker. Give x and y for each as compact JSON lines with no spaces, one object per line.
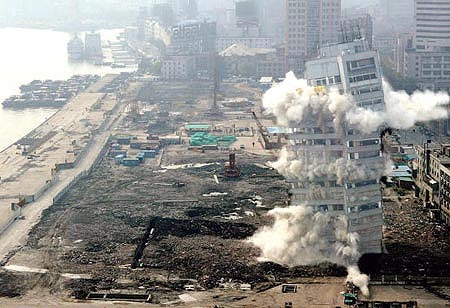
{"x":298,"y":235}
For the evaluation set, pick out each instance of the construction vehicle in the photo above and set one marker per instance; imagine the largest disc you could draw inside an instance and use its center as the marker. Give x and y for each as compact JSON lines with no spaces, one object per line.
{"x":231,"y":170}
{"x":351,"y":295}
{"x":267,"y":143}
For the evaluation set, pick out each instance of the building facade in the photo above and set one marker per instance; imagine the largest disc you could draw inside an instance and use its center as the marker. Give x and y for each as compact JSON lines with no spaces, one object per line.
{"x":238,"y":60}
{"x":432,"y":44}
{"x":223,"y":43}
{"x":355,"y":70}
{"x":310,"y":24}
{"x":404,"y":62}
{"x":433,"y":179}
{"x":178,"y":68}
{"x":191,"y":51}
{"x":358,"y":25}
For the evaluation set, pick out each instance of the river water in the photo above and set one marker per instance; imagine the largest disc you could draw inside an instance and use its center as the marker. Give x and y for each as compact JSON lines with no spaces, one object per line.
{"x":28,"y":54}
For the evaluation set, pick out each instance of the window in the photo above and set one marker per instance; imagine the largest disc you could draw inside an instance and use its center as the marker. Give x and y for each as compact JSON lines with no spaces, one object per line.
{"x":368,"y":207}
{"x":335,"y":142}
{"x":369,"y":142}
{"x":369,"y":154}
{"x":359,"y":64}
{"x":323,"y":208}
{"x":338,"y":207}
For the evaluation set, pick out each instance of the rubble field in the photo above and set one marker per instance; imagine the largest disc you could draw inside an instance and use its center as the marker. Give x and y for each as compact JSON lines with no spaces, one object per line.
{"x":199,"y":226}
{"x":163,"y":227}
{"x":168,"y":223}
{"x":415,"y":244}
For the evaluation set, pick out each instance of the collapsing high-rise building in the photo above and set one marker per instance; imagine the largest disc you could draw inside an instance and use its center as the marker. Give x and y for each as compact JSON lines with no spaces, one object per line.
{"x":343,"y":165}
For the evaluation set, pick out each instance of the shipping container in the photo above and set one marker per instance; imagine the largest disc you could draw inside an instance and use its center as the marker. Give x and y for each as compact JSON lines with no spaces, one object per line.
{"x":115,"y":153}
{"x":148,"y":153}
{"x":119,"y":159}
{"x":131,"y":162}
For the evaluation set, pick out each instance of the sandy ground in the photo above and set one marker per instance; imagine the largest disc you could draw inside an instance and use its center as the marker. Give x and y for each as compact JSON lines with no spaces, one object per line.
{"x":319,"y":293}
{"x":16,"y":234}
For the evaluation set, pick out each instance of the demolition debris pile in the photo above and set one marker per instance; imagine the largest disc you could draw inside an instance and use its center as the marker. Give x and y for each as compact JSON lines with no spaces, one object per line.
{"x":300,"y":236}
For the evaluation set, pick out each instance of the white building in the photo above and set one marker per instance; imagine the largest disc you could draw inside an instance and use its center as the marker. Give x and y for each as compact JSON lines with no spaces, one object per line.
{"x":223,"y":43}
{"x":178,"y":67}
{"x":432,"y":42}
{"x":354,"y":70}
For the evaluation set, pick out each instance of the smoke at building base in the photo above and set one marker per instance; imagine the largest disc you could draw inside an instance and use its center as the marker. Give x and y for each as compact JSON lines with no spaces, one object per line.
{"x":299,"y":235}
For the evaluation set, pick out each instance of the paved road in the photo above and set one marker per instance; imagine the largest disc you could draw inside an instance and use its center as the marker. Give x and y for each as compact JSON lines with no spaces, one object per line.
{"x":17,"y":234}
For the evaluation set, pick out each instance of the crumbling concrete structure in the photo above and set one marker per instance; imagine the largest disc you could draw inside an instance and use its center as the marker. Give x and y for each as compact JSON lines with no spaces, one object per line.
{"x":342,"y":165}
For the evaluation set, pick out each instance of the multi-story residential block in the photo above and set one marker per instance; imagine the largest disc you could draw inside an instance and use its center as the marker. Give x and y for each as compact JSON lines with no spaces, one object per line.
{"x":444,"y":193}
{"x":191,"y":43}
{"x":404,"y":63}
{"x":239,"y":60}
{"x":310,"y":24}
{"x":358,"y":25}
{"x":223,"y":43}
{"x":432,"y":42}
{"x":178,"y":67}
{"x":272,"y":19}
{"x":355,"y":70}
{"x":193,"y":37}
{"x":385,"y":44}
{"x":394,"y":16}
{"x":271,"y":64}
{"x":428,"y":165}
{"x":433,"y":178}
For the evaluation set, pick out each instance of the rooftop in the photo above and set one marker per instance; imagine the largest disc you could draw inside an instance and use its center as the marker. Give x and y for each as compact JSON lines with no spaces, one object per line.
{"x":240,"y":50}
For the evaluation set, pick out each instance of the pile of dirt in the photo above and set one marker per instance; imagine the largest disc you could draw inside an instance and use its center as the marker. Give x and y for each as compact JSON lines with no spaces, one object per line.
{"x":416,"y":244}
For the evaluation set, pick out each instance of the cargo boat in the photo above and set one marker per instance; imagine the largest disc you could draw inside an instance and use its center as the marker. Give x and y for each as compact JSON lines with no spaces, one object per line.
{"x":49,"y":93}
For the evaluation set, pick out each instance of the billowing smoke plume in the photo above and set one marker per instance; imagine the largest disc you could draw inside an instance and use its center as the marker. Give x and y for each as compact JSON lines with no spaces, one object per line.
{"x":289,"y":104}
{"x":299,"y":235}
{"x":294,"y":167}
{"x":291,"y":99}
{"x":402,"y":111}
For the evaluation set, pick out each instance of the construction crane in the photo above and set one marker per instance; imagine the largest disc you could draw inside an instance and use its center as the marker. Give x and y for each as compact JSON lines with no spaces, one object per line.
{"x":262,"y":129}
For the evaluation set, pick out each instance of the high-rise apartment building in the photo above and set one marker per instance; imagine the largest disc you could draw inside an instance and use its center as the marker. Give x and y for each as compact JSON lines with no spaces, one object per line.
{"x":432,"y":25}
{"x":404,"y":46}
{"x":354,"y":69}
{"x":310,"y":24}
{"x":358,"y":26}
{"x":432,"y":44}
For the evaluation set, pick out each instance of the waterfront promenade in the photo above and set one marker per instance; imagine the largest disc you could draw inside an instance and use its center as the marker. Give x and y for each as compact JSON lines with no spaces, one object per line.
{"x":39,"y":167}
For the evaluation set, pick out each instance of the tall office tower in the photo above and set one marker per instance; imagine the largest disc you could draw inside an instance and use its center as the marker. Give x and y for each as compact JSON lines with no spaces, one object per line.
{"x":358,"y":25}
{"x":318,"y":141}
{"x":432,"y":42}
{"x":272,"y":19}
{"x":403,"y":63}
{"x":310,"y":24}
{"x":398,"y":13}
{"x":191,"y":9}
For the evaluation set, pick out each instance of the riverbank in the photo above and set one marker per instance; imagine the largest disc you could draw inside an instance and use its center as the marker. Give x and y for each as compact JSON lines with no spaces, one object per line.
{"x":58,"y":152}
{"x":29,"y":54}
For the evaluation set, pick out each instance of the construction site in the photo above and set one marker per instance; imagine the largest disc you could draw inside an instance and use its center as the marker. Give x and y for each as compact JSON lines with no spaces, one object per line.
{"x":164,"y":217}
